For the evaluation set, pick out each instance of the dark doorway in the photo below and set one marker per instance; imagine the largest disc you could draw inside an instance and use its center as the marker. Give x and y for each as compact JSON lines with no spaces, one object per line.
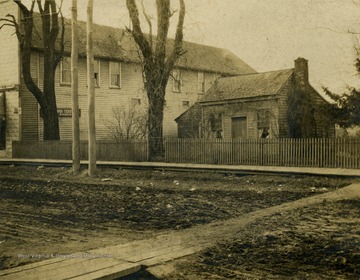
{"x":239,"y":127}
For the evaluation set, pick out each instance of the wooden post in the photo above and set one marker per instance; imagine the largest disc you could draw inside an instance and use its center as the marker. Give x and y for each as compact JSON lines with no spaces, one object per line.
{"x":74,"y":90}
{"x":91,"y":90}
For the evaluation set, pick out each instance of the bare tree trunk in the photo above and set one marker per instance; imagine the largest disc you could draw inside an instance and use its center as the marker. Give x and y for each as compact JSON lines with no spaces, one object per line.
{"x":49,"y":107}
{"x":91,"y":88}
{"x":50,"y":33}
{"x":51,"y":123}
{"x":158,"y":63}
{"x":74,"y":91}
{"x":155,"y":124}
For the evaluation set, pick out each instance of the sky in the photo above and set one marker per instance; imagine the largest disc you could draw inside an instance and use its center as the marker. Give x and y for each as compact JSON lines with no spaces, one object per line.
{"x":266,"y":34}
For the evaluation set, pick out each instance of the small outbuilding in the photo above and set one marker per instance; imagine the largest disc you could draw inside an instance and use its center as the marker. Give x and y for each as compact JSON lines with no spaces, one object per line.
{"x":276,"y":104}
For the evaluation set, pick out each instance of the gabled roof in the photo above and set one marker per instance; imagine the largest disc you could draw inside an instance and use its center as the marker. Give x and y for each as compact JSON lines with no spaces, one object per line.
{"x":118,"y":44}
{"x":245,"y":86}
{"x":193,"y":112}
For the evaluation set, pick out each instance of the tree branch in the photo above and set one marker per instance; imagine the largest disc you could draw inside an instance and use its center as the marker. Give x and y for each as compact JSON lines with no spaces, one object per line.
{"x":60,"y":6}
{"x":12,"y":20}
{"x":23,"y":8}
{"x":163,"y":23}
{"x":44,"y":12}
{"x":40,"y":6}
{"x":62,"y":38}
{"x":25,"y":45}
{"x":9,"y":22}
{"x":137,"y":32}
{"x":6,"y":24}
{"x":177,"y":49}
{"x":55,"y":23}
{"x":148,"y":19}
{"x":333,"y":96}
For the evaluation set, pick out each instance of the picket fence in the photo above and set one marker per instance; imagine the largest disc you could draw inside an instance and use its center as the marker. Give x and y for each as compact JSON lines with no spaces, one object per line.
{"x":305,"y":152}
{"x":127,"y":150}
{"x":329,"y":152}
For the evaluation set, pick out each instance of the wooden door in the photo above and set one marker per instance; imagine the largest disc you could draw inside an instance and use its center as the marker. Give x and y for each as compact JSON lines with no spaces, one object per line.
{"x":239,"y":127}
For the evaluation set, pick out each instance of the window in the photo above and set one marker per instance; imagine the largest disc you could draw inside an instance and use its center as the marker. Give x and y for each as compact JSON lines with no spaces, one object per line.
{"x":215,"y":121}
{"x":213,"y":79}
{"x":135,"y":101}
{"x":177,"y":82}
{"x":97,"y":72}
{"x":201,"y":82}
{"x":263,"y":119}
{"x":115,"y":74}
{"x":65,"y":71}
{"x":186,"y":103}
{"x":239,"y":127}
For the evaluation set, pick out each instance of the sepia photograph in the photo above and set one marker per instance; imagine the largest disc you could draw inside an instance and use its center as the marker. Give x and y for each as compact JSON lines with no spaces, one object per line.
{"x":179,"y":139}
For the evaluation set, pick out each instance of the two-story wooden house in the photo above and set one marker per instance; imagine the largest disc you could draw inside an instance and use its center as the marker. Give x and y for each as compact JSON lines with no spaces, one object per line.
{"x":119,"y":81}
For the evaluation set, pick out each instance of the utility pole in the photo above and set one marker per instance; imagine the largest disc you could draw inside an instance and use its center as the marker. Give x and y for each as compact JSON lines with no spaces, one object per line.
{"x":91,"y":90}
{"x":74,"y":90}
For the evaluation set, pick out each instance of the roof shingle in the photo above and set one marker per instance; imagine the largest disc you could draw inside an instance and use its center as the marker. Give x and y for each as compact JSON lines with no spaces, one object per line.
{"x":118,"y":44}
{"x":245,"y":86}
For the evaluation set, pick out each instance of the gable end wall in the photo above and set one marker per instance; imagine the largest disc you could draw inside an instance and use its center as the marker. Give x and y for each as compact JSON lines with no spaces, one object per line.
{"x":283,"y":103}
{"x":324,"y":126}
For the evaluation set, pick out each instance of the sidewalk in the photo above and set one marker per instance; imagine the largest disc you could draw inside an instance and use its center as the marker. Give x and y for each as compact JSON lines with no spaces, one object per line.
{"x":156,"y":253}
{"x":196,"y":167}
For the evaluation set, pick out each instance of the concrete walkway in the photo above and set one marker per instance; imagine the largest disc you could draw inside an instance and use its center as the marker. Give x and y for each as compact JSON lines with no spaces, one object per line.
{"x":156,"y":253}
{"x":196,"y":167}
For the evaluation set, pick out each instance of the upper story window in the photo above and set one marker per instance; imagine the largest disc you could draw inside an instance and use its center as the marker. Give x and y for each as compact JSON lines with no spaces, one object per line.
{"x":201,"y":82}
{"x":186,"y":103}
{"x":115,"y":74}
{"x":177,"y":82}
{"x":97,"y":72}
{"x":65,"y":71}
{"x":135,"y":101}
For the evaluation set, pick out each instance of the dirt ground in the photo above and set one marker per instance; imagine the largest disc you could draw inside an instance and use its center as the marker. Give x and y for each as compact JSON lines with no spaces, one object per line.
{"x":316,"y":242}
{"x":45,"y":211}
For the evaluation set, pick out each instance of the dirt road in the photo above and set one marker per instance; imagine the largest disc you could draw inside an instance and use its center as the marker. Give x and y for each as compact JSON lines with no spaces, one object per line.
{"x":49,"y":211}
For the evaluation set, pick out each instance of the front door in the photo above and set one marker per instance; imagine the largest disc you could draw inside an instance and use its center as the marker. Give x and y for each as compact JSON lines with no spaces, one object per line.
{"x":239,"y":127}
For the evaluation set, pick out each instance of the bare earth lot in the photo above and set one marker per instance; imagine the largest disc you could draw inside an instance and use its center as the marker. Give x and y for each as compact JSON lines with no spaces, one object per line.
{"x":317,"y":242}
{"x":46,"y":211}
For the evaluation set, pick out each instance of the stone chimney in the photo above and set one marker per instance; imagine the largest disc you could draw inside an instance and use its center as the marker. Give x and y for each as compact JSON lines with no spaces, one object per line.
{"x":301,"y":73}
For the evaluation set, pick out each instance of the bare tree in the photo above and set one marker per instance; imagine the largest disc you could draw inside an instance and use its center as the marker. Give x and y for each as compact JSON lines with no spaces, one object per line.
{"x":126,"y":124}
{"x":157,"y":65}
{"x":50,"y":32}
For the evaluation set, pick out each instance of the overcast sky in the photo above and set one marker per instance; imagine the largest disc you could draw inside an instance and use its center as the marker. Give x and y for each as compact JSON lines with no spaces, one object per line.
{"x":267,"y":34}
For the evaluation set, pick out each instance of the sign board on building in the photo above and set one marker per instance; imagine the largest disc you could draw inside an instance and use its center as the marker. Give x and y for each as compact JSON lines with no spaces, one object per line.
{"x":64,"y":112}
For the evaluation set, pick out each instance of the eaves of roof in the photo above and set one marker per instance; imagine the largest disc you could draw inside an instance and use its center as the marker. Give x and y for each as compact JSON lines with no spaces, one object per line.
{"x":117,"y":44}
{"x":247,"y":86}
{"x":242,"y":99}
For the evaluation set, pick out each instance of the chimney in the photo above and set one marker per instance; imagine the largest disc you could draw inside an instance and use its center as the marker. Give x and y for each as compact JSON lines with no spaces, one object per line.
{"x":301,"y":73}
